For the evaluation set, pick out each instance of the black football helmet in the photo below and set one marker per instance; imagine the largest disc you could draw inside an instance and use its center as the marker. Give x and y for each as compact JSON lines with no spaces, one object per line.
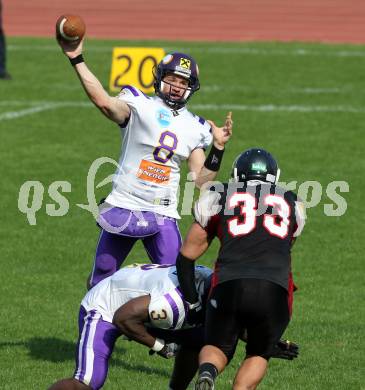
{"x":182,"y":65}
{"x":255,"y":164}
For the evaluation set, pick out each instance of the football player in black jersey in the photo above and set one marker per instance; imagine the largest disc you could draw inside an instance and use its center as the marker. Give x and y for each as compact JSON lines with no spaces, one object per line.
{"x":256,"y":222}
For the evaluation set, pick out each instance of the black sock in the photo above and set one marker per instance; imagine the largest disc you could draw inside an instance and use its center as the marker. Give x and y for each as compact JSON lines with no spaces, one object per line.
{"x":209,"y":367}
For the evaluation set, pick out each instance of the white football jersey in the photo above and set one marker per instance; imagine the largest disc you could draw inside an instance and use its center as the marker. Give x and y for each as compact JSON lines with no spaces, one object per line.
{"x":167,"y":308}
{"x":156,"y":140}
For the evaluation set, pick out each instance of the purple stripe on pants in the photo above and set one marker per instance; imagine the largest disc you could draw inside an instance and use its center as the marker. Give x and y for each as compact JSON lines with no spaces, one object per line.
{"x":83,"y":363}
{"x":104,"y":335}
{"x":175,"y":310}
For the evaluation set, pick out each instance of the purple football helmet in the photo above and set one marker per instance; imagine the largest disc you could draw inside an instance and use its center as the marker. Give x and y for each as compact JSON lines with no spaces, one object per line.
{"x":182,"y":65}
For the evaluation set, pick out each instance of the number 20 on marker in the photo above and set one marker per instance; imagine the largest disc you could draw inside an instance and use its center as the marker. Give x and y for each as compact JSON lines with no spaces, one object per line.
{"x":133,"y":66}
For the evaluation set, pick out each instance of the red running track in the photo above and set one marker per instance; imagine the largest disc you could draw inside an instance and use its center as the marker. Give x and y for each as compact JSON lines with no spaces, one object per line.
{"x":206,"y":20}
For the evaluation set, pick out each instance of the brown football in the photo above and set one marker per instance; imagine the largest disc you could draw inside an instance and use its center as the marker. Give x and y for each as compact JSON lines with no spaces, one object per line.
{"x":70,"y":28}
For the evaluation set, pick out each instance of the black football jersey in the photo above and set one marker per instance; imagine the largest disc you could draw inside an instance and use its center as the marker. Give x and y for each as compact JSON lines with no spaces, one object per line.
{"x":256,"y":223}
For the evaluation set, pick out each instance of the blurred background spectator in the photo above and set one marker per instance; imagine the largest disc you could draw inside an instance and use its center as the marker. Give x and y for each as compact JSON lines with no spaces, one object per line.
{"x":4,"y":75}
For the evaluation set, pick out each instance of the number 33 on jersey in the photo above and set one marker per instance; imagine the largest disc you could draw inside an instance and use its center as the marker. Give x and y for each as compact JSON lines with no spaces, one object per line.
{"x":256,"y":223}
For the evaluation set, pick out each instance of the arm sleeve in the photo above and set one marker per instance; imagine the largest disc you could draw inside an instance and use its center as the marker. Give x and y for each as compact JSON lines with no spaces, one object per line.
{"x":135,"y":100}
{"x":185,"y":269}
{"x":131,"y":95}
{"x":206,"y":138}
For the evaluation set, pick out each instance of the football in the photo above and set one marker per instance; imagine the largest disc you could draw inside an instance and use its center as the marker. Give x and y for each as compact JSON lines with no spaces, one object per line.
{"x":70,"y":28}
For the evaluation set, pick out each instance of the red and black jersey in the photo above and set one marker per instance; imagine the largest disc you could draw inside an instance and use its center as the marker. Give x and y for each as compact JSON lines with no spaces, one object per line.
{"x":256,"y":223}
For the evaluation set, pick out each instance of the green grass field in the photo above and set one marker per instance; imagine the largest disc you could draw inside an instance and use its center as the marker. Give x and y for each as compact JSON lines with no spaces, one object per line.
{"x":303,"y":102}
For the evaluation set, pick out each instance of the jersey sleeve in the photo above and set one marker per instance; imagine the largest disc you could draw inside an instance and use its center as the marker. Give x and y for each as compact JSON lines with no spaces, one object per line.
{"x":206,"y":207}
{"x":206,"y":136}
{"x":134,"y":98}
{"x":167,"y":311}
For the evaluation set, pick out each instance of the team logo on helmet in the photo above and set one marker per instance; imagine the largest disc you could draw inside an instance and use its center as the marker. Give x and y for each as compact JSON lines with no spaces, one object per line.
{"x":185,"y":63}
{"x":184,"y":67}
{"x":259,"y":166}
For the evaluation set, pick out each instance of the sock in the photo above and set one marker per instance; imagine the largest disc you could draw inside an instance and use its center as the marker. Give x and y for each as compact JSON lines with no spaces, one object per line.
{"x":208,"y":367}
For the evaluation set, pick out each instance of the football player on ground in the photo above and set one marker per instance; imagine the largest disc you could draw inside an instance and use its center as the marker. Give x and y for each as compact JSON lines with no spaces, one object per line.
{"x":121,"y":305}
{"x":158,"y":133}
{"x":256,"y":222}
{"x":144,"y":303}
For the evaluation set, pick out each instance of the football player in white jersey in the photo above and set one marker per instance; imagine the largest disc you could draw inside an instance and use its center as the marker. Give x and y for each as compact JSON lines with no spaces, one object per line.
{"x":123,"y":304}
{"x":158,"y":134}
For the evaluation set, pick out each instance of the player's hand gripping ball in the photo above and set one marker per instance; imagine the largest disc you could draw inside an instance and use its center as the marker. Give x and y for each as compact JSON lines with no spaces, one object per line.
{"x":70,"y":28}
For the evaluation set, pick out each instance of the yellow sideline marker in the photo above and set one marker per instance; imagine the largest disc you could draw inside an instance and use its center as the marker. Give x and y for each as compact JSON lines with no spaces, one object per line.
{"x":133,"y":66}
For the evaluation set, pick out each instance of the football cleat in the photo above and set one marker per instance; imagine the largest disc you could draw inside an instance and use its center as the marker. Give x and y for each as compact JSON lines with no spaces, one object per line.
{"x":205,"y":381}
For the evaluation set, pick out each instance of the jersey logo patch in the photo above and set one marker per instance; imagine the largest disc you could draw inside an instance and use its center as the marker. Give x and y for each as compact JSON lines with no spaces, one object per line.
{"x":259,"y":167}
{"x":164,"y":117}
{"x":154,"y":173}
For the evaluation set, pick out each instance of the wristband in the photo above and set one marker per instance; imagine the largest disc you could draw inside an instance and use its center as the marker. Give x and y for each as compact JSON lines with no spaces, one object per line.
{"x":214,"y":159}
{"x":158,"y":345}
{"x":77,"y":60}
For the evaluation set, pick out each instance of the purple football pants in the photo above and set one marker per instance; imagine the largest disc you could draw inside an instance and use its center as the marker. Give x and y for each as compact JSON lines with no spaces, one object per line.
{"x":162,"y":243}
{"x":95,"y":345}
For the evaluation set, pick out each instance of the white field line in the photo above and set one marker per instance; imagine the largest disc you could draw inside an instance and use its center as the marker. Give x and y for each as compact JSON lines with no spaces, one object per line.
{"x":43,"y":102}
{"x":213,"y":88}
{"x":333,"y":52}
{"x":37,"y":107}
{"x":41,"y":106}
{"x":242,"y":88}
{"x":304,"y":90}
{"x":282,"y":108}
{"x":27,"y":111}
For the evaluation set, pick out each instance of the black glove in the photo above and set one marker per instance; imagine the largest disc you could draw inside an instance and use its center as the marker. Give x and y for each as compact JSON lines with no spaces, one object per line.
{"x":168,"y":351}
{"x":285,"y":349}
{"x":195,"y":314}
